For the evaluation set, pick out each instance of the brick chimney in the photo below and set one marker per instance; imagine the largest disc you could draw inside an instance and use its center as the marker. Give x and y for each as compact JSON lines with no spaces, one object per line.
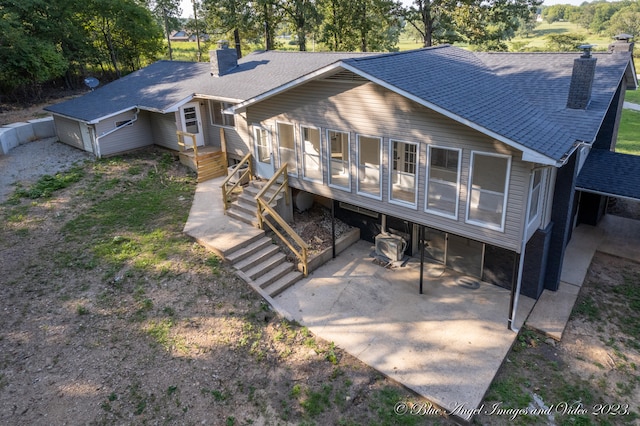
{"x":622,"y":43}
{"x":222,"y":59}
{"x":584,"y":70}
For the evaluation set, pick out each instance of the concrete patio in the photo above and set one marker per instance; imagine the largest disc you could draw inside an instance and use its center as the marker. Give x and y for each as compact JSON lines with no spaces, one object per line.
{"x":446,"y":344}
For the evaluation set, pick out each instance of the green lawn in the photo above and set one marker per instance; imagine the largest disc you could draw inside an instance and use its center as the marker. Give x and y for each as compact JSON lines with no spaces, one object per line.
{"x":629,"y":133}
{"x":538,"y":38}
{"x":632,"y":96}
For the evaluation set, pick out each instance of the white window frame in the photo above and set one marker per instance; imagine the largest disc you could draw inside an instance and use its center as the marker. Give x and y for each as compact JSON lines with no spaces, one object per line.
{"x":505,"y":193}
{"x":416,"y":174}
{"x":540,"y":187}
{"x":294,"y":171}
{"x":428,"y":181}
{"x":380,"y":167}
{"x":225,"y":117}
{"x":320,"y":156}
{"x":329,"y":159}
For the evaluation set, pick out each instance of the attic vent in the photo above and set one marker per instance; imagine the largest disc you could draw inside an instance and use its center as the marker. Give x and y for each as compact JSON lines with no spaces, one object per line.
{"x":345,"y":75}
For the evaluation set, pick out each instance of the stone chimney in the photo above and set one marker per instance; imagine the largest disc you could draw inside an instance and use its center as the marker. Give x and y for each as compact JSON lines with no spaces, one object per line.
{"x":622,"y":43}
{"x":584,"y":70}
{"x":222,"y":59}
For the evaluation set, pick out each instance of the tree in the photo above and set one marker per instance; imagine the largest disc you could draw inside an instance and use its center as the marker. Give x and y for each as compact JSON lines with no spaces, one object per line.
{"x":303,"y":16}
{"x":564,"y":42}
{"x":230,"y":16}
{"x":626,"y":21}
{"x":481,"y":23}
{"x":123,"y":32}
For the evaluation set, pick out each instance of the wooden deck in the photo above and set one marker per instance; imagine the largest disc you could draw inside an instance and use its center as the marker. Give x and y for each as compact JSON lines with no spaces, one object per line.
{"x":209,"y":163}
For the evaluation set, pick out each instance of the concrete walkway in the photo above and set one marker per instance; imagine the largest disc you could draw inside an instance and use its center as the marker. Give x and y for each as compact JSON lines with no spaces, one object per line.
{"x":629,"y":105}
{"x":446,"y":344}
{"x":614,"y":235}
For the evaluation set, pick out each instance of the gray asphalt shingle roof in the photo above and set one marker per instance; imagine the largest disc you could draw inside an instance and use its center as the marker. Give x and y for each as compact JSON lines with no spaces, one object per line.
{"x":163,"y":84}
{"x":611,"y":173}
{"x":518,"y":96}
{"x":459,"y":82}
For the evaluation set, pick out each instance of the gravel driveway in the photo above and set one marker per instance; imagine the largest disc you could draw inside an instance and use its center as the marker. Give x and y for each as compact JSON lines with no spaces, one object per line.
{"x":27,"y":162}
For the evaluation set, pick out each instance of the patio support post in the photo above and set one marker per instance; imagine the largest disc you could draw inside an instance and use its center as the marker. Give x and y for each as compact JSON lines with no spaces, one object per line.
{"x":421,"y":255}
{"x":333,"y":228}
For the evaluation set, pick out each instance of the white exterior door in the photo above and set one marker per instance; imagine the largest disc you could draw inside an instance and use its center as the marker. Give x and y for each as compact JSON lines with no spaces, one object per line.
{"x":263,"y":152}
{"x":191,"y":121}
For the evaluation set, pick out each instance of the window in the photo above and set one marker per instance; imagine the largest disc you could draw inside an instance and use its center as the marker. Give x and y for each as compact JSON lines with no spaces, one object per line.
{"x":402,"y":181}
{"x":443,"y":181}
{"x":287,"y":147}
{"x":369,"y":170}
{"x":311,"y":154}
{"x":123,"y":123}
{"x":488,"y":183}
{"x":339,"y":166}
{"x":218,"y":118}
{"x":536,"y":188}
{"x":263,"y":147}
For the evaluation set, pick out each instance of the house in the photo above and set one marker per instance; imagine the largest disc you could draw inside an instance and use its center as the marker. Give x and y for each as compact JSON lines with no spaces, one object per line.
{"x":495,"y":157}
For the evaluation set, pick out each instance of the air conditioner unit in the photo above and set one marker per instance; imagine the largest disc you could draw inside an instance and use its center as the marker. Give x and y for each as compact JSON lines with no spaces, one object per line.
{"x":390,"y":246}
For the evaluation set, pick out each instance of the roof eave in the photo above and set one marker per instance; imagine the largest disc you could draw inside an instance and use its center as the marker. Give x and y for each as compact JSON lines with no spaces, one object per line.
{"x":290,"y":85}
{"x":527,"y":153}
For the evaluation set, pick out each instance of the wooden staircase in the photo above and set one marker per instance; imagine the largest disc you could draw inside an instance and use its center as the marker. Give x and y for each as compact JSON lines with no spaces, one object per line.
{"x":207,"y":161}
{"x":245,"y":206}
{"x":260,"y":261}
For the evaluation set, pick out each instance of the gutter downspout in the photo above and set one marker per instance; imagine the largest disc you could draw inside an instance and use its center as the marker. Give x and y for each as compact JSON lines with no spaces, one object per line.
{"x":523,"y":245}
{"x":130,"y":122}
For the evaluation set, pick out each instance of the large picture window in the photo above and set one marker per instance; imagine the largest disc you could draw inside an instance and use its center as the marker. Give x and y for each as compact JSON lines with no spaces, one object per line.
{"x":218,"y":118}
{"x":443,"y":181}
{"x":311,"y":154}
{"x":403,"y":179}
{"x":369,"y":170}
{"x":339,"y":169}
{"x":487,"y":195}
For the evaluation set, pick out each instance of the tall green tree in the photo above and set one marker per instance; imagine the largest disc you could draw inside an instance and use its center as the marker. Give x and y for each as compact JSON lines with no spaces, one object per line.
{"x":303,"y":16}
{"x":123,"y":32}
{"x":365,"y":25}
{"x":479,"y":22}
{"x":626,"y":21}
{"x":235,"y":17}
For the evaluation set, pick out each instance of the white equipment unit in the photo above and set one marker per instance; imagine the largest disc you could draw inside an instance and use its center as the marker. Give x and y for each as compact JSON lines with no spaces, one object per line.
{"x":390,"y":246}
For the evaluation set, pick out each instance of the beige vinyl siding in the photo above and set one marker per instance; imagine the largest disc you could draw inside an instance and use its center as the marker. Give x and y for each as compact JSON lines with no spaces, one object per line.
{"x":373,"y":110}
{"x":163,"y":130}
{"x":68,"y":131}
{"x":127,"y":138}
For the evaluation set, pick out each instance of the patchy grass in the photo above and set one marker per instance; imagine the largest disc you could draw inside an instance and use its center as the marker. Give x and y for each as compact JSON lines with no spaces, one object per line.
{"x":632,"y":96}
{"x":629,"y":133}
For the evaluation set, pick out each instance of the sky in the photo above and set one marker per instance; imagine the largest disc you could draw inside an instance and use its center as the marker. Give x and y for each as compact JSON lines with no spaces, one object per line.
{"x":187,"y":5}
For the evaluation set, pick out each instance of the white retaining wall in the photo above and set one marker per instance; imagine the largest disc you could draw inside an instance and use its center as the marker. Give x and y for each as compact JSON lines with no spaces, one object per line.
{"x":12,"y":135}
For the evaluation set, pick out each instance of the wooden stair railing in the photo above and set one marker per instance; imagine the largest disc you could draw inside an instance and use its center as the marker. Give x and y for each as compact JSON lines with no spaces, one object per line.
{"x":227,"y":191}
{"x":265,"y":205}
{"x":207,"y":164}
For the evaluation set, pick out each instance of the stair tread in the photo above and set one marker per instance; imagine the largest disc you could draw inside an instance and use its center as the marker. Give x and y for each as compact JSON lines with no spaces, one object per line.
{"x":274,"y":274}
{"x":242,"y":216}
{"x":266,"y":265}
{"x":244,"y":252}
{"x":257,"y":258}
{"x":284,"y":283}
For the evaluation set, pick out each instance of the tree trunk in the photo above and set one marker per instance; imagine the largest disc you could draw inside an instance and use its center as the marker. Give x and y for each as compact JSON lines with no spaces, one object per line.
{"x":236,"y":39}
